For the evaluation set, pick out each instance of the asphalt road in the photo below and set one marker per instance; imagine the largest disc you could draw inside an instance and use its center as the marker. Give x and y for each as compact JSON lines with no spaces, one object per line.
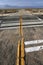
{"x":11,"y":22}
{"x":9,"y":40}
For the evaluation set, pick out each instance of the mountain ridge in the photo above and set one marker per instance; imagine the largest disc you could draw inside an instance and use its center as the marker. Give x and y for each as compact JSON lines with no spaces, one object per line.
{"x":9,"y":6}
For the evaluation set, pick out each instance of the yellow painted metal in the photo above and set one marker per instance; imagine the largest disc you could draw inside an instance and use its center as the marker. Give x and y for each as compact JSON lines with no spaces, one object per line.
{"x":22,"y":52}
{"x":22,"y":47}
{"x":18,"y":53}
{"x":22,"y":61}
{"x":21,"y":29}
{"x":22,"y":43}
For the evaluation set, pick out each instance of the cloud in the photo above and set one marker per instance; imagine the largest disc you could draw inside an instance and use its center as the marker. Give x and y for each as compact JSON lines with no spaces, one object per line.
{"x":22,"y":2}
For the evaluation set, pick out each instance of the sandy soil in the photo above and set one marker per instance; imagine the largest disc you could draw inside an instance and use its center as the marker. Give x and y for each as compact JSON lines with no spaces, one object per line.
{"x":8,"y":46}
{"x":34,"y":58}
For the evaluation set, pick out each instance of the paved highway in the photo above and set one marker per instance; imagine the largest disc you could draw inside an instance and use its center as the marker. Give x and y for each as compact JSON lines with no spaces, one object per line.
{"x":11,"y":22}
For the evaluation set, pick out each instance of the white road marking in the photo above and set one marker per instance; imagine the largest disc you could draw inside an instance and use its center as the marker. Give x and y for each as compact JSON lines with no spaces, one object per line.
{"x":33,"y":42}
{"x":32,"y":49}
{"x":39,"y":19}
{"x":24,"y":23}
{"x":5,"y":28}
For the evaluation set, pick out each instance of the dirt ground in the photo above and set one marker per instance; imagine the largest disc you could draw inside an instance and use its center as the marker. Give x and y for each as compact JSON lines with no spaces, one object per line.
{"x":8,"y":46}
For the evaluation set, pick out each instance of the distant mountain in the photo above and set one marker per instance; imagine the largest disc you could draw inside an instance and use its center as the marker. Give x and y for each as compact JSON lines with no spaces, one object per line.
{"x":8,"y":6}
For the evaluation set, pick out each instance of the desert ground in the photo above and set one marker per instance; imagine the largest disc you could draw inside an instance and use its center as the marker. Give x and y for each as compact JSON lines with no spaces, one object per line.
{"x":8,"y":46}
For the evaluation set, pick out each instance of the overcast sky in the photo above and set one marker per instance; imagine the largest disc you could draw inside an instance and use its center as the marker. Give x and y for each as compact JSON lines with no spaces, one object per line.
{"x":22,"y":2}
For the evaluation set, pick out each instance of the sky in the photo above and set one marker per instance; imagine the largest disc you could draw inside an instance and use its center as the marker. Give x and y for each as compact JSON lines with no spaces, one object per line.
{"x":22,"y":2}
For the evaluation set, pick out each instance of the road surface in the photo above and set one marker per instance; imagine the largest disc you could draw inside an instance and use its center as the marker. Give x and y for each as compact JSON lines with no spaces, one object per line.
{"x":11,"y":22}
